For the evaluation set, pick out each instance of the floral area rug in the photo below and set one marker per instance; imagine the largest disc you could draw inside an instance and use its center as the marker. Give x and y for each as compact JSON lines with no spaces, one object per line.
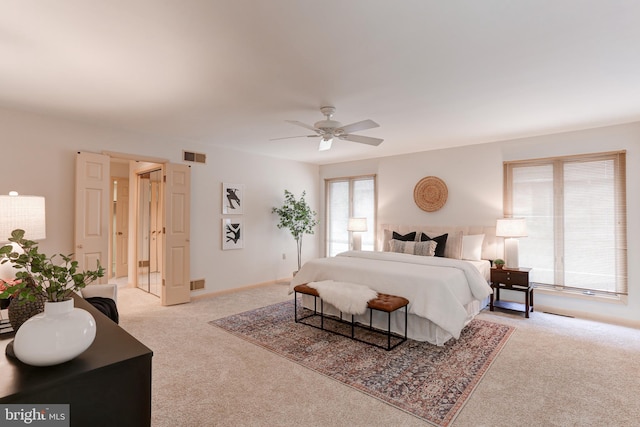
{"x":427,"y":381}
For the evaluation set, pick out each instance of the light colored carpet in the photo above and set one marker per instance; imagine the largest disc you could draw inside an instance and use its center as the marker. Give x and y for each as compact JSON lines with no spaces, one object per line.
{"x":554,"y":371}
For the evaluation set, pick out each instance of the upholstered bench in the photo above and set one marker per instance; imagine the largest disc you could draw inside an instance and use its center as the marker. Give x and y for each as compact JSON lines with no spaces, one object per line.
{"x":383,"y":302}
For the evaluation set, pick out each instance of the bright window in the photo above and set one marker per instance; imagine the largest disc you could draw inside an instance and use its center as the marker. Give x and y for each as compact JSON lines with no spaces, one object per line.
{"x":353,"y":197}
{"x":575,"y":209}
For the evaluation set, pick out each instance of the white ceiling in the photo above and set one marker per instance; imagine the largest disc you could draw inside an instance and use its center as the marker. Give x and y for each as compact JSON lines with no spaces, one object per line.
{"x":433,"y":74}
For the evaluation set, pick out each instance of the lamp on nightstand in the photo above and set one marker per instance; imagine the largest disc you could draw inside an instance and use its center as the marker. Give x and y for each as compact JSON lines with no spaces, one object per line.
{"x":357,"y":226}
{"x":511,"y":229}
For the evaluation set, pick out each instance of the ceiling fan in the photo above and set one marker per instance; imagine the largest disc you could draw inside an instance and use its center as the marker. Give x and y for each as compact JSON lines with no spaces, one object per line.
{"x":329,"y":129}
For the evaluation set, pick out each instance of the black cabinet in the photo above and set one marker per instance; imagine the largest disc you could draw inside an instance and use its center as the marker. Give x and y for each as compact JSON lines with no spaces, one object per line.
{"x":107,"y":385}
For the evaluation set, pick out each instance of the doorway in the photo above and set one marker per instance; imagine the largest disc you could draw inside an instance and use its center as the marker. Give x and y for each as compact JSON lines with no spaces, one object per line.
{"x":102,"y":214}
{"x":149,"y":231}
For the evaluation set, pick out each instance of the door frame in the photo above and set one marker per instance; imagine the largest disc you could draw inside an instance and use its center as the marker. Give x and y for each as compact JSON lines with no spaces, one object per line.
{"x":133,"y":194}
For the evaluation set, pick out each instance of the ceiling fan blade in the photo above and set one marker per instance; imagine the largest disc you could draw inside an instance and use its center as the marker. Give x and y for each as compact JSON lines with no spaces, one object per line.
{"x":299,"y":136}
{"x":363,"y":139}
{"x":358,"y":126}
{"x":304,"y":125}
{"x":325,"y":144}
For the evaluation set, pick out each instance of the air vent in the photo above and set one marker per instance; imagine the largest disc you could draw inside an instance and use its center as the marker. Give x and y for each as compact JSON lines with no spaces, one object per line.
{"x":197,"y":284}
{"x":190,"y":156}
{"x":558,"y":314}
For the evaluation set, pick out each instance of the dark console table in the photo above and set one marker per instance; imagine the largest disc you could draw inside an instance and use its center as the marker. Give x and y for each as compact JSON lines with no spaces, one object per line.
{"x":107,"y":385}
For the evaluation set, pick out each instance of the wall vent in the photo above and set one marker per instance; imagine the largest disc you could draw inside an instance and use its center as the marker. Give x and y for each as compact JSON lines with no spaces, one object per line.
{"x":197,"y":284}
{"x":558,"y":314}
{"x":190,"y":156}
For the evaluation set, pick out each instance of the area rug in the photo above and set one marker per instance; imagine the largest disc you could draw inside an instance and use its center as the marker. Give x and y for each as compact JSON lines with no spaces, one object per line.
{"x":430,"y":382}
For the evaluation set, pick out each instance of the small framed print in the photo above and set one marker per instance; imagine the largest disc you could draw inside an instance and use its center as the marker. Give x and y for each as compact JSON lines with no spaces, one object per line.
{"x":232,"y":199}
{"x":232,"y":233}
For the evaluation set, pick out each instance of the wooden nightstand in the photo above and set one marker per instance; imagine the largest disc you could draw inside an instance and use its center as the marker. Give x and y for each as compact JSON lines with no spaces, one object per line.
{"x":514,"y":279}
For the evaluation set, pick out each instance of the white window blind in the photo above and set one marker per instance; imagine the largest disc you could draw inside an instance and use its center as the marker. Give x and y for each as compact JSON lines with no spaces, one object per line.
{"x":349,"y":198}
{"x":576,"y":219}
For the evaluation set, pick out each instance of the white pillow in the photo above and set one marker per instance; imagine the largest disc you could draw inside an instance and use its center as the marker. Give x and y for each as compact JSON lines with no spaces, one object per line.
{"x":472,"y":247}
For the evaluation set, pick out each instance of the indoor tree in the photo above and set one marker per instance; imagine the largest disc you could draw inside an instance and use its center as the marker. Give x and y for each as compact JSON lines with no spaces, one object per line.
{"x":297,"y":216}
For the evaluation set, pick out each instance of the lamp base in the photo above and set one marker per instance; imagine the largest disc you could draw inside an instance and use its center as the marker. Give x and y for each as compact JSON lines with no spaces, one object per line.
{"x":511,"y":253}
{"x":356,"y":242}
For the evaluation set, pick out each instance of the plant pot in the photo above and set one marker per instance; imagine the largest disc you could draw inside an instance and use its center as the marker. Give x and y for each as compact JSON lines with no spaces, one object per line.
{"x":21,"y":311}
{"x":55,"y":336}
{"x":499,"y":266}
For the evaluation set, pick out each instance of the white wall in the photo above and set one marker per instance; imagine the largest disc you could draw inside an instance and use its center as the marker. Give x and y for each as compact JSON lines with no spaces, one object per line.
{"x":38,"y":158}
{"x":473,"y":176}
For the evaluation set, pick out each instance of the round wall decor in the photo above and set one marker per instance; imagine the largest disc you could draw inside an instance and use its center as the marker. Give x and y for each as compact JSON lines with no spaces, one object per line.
{"x":430,"y":193}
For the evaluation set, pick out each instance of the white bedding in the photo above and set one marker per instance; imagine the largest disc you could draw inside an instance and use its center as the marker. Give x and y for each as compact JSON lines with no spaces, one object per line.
{"x":446,"y":292}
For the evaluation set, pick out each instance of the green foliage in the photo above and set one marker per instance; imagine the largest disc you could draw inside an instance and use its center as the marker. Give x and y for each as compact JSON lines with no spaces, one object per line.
{"x":297,"y":217}
{"x":39,"y":275}
{"x":498,"y":261}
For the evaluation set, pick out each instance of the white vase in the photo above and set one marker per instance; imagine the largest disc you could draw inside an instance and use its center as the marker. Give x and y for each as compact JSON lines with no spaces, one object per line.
{"x":55,"y":336}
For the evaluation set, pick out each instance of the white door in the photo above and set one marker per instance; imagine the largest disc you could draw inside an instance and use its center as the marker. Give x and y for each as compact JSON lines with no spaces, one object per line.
{"x":176,"y":220}
{"x":122,"y":227}
{"x":92,"y":211}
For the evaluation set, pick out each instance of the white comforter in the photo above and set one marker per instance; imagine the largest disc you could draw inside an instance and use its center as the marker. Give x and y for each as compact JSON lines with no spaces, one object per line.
{"x":438,"y":289}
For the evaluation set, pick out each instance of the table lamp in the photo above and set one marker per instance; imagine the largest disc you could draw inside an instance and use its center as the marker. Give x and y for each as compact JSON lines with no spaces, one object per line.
{"x":356,"y":227}
{"x":20,"y":212}
{"x":511,"y":229}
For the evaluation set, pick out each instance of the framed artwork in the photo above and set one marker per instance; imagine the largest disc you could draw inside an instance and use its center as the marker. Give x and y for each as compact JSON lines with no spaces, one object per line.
{"x":232,"y":199}
{"x":232,"y":233}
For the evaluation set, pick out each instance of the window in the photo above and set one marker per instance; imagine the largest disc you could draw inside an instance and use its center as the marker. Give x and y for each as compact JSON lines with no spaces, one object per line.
{"x":575,"y":209}
{"x":349,"y":198}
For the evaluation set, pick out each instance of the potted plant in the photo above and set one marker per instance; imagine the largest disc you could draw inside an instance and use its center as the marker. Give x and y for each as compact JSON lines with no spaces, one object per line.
{"x":38,"y":275}
{"x":297,"y":216}
{"x":499,"y":263}
{"x":62,"y":332}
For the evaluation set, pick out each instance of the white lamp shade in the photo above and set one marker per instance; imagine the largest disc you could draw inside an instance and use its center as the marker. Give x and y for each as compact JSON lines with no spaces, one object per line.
{"x":357,"y":224}
{"x":511,"y":227}
{"x":22,"y":212}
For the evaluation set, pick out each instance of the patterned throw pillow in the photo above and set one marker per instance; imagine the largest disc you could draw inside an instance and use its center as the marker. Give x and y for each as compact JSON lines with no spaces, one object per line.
{"x":440,"y":240}
{"x":414,"y":248}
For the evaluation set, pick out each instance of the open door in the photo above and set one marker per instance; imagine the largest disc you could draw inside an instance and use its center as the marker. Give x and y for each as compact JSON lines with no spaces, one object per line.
{"x":177,"y":200}
{"x":92,"y":211}
{"x":122,"y":227}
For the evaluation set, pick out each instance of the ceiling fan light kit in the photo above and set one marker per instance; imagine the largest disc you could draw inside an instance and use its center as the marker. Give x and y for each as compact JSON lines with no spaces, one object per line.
{"x":328,"y":129}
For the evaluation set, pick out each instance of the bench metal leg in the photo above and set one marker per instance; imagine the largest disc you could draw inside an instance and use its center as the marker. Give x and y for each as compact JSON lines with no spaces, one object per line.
{"x":388,"y":332}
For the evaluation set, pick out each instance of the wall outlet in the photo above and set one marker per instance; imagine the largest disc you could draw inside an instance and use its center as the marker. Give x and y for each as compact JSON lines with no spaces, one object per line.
{"x":284,"y":256}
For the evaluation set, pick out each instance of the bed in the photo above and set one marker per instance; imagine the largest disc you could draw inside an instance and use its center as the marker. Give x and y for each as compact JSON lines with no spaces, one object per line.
{"x":445,"y":292}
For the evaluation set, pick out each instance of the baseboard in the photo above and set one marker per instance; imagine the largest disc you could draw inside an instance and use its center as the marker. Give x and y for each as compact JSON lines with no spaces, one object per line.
{"x":241,"y":288}
{"x":587,"y":316}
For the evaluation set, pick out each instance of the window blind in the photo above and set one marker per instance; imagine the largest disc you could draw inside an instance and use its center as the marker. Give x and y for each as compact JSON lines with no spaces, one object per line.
{"x":575,"y":208}
{"x":345,"y":198}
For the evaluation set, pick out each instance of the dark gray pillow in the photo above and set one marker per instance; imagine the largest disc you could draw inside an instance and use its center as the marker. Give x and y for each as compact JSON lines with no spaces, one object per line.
{"x":440,"y":240}
{"x":409,"y":237}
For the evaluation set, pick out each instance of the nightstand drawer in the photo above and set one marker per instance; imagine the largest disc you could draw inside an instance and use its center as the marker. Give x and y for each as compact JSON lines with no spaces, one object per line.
{"x":510,"y":277}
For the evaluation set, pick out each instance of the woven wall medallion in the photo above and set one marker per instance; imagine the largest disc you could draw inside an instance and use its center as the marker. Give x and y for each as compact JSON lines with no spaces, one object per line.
{"x":430,"y":193}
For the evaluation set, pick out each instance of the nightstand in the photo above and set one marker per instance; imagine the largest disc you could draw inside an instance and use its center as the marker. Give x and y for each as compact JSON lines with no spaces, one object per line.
{"x":513,"y":279}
